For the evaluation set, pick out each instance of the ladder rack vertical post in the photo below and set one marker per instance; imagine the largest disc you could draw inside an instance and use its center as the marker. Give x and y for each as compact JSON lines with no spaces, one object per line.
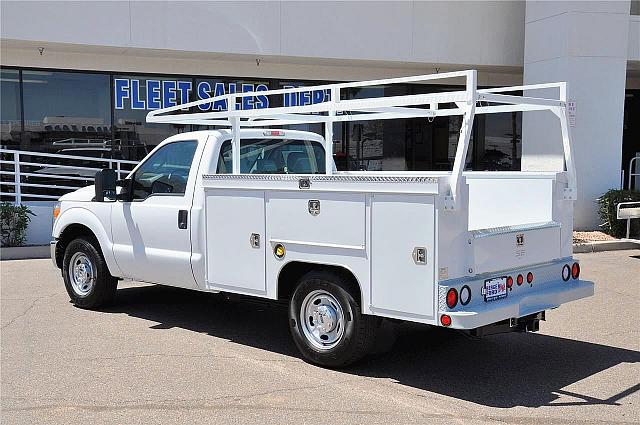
{"x":328,"y":131}
{"x":465,"y":136}
{"x":235,"y":142}
{"x":571,"y":191}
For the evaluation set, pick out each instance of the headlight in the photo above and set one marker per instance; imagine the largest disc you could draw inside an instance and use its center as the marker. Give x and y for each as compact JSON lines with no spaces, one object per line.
{"x":56,"y":210}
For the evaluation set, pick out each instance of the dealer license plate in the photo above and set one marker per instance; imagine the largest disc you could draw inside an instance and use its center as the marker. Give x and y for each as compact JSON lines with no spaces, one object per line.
{"x":494,"y":289}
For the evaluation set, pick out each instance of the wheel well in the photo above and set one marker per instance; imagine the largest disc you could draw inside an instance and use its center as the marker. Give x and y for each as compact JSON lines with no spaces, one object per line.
{"x":70,"y":233}
{"x":291,"y":273}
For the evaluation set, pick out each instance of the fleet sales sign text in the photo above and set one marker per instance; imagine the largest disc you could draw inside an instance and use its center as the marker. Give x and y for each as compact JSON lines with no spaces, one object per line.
{"x":155,"y":94}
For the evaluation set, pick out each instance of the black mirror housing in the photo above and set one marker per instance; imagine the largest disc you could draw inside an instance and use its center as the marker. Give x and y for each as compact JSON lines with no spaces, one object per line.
{"x":126,"y":193}
{"x":105,"y":185}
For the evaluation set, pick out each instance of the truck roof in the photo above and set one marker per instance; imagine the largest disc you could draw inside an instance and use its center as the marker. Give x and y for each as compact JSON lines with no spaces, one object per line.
{"x":254,"y":133}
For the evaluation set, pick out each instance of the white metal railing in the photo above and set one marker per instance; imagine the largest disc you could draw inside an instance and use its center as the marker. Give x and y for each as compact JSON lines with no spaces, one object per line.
{"x":54,"y":174}
{"x":628,"y":211}
{"x":467,"y":102}
{"x":633,"y":172}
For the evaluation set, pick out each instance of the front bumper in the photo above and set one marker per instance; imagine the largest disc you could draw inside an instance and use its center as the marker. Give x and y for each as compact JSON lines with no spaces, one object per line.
{"x":550,"y":297}
{"x":53,"y":245}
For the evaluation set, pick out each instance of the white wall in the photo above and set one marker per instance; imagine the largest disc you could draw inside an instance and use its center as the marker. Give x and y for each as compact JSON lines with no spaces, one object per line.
{"x":478,"y":33}
{"x":585,"y":44}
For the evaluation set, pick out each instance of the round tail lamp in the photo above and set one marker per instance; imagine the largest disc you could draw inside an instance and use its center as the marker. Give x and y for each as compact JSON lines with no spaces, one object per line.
{"x":452,"y":298}
{"x":529,"y":277}
{"x":575,"y":270}
{"x":445,"y":320}
{"x":520,"y":279}
{"x":509,"y":282}
{"x":566,"y":272}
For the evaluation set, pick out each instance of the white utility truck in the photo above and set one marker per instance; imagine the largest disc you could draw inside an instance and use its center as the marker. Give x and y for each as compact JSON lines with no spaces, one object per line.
{"x":249,"y":209}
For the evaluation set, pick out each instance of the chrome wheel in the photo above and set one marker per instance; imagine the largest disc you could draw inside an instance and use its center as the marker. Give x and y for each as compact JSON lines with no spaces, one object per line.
{"x":82,"y":274}
{"x":322,"y":320}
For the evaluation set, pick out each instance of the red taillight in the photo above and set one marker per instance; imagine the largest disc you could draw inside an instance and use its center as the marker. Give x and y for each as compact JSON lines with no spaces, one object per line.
{"x":575,"y":270}
{"x":529,"y":277}
{"x":452,"y":297}
{"x":509,"y":282}
{"x":445,"y":320}
{"x":520,"y":279}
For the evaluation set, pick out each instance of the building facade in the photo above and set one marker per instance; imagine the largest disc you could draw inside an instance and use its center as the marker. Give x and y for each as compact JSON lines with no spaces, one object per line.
{"x":77,"y":72}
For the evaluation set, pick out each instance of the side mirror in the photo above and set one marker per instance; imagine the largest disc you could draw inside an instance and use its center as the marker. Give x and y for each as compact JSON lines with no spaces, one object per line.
{"x":105,"y":185}
{"x":126,"y":191}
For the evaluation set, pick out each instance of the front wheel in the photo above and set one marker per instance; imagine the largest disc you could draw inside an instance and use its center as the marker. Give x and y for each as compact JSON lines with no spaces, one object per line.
{"x":86,"y":276}
{"x":326,"y":323}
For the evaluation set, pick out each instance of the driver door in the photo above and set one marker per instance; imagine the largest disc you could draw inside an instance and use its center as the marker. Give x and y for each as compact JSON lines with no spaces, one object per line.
{"x":151,"y":234}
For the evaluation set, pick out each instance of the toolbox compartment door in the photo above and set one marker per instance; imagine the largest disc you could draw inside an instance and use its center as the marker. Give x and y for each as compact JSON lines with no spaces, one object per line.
{"x":515,"y":246}
{"x":401,"y":286}
{"x":235,"y":256}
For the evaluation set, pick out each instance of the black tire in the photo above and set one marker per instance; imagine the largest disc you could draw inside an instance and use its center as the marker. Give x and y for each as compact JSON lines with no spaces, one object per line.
{"x":358,"y":334}
{"x":102,"y":290}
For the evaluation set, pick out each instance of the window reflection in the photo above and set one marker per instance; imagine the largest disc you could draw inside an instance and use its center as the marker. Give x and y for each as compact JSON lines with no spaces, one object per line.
{"x":66,"y":110}
{"x":10,"y":115}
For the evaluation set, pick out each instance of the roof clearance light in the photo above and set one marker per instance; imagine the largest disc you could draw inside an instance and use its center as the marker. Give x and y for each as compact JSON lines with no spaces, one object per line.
{"x":445,"y":320}
{"x":575,"y":270}
{"x":274,"y":133}
{"x":566,"y":272}
{"x":520,"y":279}
{"x":529,"y":277}
{"x":452,"y":298}
{"x":465,"y":295}
{"x":509,"y":282}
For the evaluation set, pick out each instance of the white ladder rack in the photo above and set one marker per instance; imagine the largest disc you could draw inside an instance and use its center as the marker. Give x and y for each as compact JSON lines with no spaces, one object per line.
{"x":468,"y":103}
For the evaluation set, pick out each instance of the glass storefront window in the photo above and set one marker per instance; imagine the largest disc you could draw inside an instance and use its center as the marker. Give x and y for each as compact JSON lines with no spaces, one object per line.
{"x":10,"y":111}
{"x":213,"y":87}
{"x":73,"y":110}
{"x":134,"y":97}
{"x":499,"y":148}
{"x":66,"y":110}
{"x":373,"y":145}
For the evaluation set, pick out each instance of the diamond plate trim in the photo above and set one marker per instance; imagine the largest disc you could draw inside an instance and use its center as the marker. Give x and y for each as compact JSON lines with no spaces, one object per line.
{"x":322,"y":178}
{"x":481,"y":233}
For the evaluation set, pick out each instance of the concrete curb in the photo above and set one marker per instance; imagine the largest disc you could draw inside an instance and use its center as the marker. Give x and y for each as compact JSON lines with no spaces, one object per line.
{"x":24,"y":252}
{"x":602,"y":246}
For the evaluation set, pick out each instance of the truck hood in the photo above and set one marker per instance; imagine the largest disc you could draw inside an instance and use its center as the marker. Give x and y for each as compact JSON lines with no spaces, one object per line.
{"x":84,"y":194}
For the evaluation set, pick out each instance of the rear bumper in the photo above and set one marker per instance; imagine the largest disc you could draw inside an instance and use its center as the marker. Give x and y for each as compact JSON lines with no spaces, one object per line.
{"x":551,"y":296}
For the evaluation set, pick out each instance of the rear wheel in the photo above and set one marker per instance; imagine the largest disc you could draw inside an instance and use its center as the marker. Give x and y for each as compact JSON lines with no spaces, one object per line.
{"x":86,"y":276}
{"x":326,"y":323}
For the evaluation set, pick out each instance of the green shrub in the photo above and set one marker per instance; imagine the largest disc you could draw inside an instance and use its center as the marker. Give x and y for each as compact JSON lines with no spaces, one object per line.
{"x":607,"y":210}
{"x":14,"y":220}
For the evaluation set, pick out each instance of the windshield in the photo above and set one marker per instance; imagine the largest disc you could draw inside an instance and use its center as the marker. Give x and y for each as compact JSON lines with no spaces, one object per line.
{"x":274,"y":156}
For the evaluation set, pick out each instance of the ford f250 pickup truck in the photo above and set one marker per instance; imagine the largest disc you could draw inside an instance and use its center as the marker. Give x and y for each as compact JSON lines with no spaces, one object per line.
{"x":256,"y":208}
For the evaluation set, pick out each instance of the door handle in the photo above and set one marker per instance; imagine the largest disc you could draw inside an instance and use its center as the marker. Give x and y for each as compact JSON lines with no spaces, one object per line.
{"x":182,"y":219}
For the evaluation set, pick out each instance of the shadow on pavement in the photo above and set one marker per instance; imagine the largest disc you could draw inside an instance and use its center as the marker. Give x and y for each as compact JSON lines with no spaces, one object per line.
{"x":498,"y":371}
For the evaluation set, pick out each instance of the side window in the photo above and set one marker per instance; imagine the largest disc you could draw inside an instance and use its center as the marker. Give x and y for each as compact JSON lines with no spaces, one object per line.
{"x":166,"y":171}
{"x":274,"y":156}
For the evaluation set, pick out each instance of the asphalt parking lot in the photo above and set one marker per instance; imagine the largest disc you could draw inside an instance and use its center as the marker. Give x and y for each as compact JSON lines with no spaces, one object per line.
{"x":163,"y":355}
